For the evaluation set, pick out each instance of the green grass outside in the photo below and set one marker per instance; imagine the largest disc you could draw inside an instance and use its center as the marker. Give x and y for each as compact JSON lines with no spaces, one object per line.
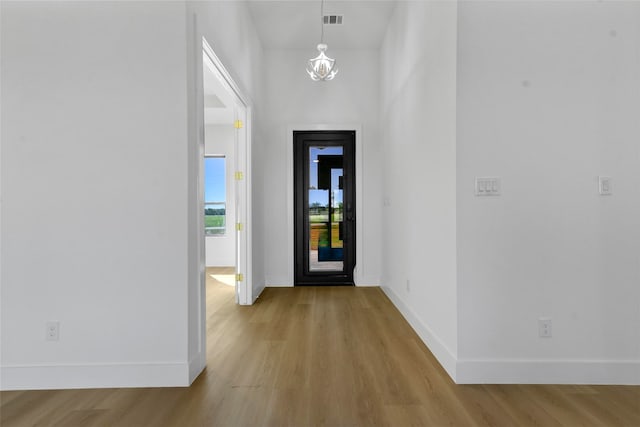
{"x":337,"y":216}
{"x":319,"y":236}
{"x":214,"y":220}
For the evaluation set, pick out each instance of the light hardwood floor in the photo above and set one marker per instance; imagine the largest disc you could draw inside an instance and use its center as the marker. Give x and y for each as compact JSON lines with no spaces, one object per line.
{"x":321,"y":356}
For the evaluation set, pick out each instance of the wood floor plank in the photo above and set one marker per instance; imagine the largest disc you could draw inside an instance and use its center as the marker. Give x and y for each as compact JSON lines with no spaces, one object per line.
{"x":555,"y":401}
{"x":524,"y":411}
{"x":320,"y":356}
{"x":481,"y":407}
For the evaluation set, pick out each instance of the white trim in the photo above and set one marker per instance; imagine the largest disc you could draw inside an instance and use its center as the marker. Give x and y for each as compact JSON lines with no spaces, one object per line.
{"x":442,"y":353}
{"x":252,"y":295}
{"x":243,"y":187}
{"x":200,"y":293}
{"x":48,"y":377}
{"x":278,"y":284}
{"x":358,"y":273}
{"x":197,"y":365}
{"x":519,"y":371}
{"x":228,"y":80}
{"x":243,"y":207}
{"x":559,"y":371}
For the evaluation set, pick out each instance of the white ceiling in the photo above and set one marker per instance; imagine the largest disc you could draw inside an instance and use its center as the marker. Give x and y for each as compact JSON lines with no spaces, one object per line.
{"x":218,"y":102}
{"x":295,"y":24}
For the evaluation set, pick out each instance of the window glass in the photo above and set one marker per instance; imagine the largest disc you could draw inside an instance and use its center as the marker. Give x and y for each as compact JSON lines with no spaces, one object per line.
{"x":215,"y":196}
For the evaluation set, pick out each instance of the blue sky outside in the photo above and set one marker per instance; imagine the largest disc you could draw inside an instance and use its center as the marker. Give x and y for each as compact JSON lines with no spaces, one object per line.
{"x":214,"y":179}
{"x":322,"y":196}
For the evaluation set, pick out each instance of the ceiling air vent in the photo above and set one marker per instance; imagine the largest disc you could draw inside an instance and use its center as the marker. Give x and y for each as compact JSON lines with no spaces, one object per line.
{"x":333,"y":19}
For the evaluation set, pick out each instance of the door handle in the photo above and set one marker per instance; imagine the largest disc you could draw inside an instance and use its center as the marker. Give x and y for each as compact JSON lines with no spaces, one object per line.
{"x":349,"y":213}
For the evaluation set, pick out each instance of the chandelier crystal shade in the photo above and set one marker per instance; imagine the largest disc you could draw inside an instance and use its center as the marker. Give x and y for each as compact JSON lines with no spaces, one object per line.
{"x":322,"y":68}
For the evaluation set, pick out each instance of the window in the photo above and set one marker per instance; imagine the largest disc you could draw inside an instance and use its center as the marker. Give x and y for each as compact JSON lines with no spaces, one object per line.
{"x":215,"y":196}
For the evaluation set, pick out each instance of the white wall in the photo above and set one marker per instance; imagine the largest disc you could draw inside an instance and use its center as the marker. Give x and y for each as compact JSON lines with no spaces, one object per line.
{"x":94,"y":207}
{"x":228,"y":28}
{"x":292,"y":98}
{"x":418,"y":120}
{"x":100,"y":132}
{"x":548,"y":99}
{"x":221,"y":249}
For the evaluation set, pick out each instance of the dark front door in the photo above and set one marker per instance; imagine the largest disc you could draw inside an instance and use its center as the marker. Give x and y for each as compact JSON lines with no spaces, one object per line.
{"x":324,"y":207}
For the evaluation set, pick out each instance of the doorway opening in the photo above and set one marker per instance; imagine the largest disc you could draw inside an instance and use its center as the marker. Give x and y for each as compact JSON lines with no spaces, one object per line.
{"x":325,"y":208}
{"x":224,"y":178}
{"x":219,"y":207}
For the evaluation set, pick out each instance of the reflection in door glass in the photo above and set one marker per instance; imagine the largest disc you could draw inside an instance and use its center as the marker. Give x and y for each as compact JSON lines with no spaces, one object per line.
{"x":325,"y":209}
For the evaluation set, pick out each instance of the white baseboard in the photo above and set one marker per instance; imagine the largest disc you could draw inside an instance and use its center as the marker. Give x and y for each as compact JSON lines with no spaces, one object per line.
{"x":562,"y":371}
{"x":520,"y":371}
{"x":48,"y":377}
{"x":441,"y":352}
{"x":365,"y":280}
{"x":256,"y":293}
{"x":361,"y":285}
{"x":196,"y":366}
{"x":279,"y":282}
{"x":278,"y":285}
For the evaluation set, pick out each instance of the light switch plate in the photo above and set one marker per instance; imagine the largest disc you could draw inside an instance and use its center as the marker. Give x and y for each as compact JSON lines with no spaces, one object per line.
{"x":604,"y":185}
{"x":488,"y":186}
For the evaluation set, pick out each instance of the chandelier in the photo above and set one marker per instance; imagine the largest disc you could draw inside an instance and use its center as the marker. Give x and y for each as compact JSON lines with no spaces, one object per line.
{"x":322,"y":68}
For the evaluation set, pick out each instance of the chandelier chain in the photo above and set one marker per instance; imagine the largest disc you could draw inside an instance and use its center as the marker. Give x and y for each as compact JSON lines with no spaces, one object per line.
{"x":322,"y":21}
{"x":321,"y":68}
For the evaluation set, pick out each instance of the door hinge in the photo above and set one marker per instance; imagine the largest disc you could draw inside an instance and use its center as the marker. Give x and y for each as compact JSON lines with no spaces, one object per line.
{"x":239,"y":277}
{"x":238,"y":124}
{"x":239,"y":176}
{"x":239,"y":226}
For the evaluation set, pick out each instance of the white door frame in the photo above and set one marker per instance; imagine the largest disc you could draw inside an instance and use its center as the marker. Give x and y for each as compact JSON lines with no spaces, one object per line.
{"x":243,"y":185}
{"x":359,"y":270}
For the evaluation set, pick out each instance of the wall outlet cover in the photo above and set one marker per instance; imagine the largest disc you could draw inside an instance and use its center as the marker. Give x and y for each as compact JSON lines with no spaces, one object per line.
{"x":544,"y":327}
{"x":488,"y":186}
{"x":604,"y":185}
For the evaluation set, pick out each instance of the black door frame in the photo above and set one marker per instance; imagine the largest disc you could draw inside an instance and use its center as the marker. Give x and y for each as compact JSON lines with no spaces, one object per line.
{"x":302,"y":140}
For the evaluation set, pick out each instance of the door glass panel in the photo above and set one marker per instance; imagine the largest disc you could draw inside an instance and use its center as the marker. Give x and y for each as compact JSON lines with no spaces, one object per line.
{"x":325,"y":209}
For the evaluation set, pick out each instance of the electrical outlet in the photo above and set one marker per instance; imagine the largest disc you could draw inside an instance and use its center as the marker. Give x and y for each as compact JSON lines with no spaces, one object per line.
{"x":53,"y":331}
{"x":408,"y":285}
{"x":604,"y":185}
{"x":544,"y":327}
